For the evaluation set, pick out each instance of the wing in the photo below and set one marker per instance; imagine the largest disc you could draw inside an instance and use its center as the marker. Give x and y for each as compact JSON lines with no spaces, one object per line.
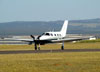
{"x":26,"y":40}
{"x":42,"y":42}
{"x":69,"y":39}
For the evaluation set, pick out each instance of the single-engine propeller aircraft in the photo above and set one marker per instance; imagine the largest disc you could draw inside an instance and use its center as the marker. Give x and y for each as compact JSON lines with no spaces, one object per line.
{"x":51,"y":37}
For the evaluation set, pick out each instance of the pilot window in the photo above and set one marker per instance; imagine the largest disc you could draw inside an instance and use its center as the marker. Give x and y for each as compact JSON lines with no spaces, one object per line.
{"x":47,"y":34}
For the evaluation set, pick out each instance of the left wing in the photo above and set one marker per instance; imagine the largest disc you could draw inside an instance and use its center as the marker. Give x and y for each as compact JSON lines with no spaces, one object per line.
{"x":69,"y":39}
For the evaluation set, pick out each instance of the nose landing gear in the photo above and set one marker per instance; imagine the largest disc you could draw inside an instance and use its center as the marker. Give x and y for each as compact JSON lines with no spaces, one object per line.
{"x":36,"y":48}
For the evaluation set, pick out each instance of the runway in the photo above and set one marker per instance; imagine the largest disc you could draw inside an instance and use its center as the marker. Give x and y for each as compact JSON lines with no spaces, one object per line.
{"x":48,"y":51}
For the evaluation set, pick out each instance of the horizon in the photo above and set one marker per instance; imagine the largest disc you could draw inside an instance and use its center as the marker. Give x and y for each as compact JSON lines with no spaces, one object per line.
{"x":48,"y":20}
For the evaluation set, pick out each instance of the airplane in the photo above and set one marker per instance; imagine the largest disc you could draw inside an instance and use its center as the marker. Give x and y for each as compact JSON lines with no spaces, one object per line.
{"x":51,"y":37}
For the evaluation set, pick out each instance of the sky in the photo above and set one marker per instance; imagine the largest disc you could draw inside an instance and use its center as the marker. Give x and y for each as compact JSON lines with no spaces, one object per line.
{"x":48,"y":10}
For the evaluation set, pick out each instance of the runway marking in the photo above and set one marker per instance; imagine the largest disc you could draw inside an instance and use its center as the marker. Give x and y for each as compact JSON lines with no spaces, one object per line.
{"x":48,"y":51}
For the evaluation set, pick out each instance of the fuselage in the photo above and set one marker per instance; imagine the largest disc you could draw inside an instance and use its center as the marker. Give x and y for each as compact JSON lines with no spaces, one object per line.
{"x":55,"y":35}
{"x":51,"y":36}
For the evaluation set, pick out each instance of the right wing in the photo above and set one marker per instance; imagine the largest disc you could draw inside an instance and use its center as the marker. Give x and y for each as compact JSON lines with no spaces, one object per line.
{"x":26,"y":40}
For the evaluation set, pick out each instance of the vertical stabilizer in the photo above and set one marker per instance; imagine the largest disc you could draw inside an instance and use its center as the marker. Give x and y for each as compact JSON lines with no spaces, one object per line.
{"x":64,"y":28}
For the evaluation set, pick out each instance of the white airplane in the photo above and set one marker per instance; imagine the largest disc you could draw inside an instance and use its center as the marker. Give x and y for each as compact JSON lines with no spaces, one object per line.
{"x":51,"y":37}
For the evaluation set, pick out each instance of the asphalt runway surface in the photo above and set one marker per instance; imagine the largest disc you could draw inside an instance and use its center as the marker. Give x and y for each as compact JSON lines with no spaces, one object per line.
{"x":48,"y":51}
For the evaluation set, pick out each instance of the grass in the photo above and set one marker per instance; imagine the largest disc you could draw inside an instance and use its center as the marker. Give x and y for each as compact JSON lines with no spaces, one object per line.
{"x":16,"y":47}
{"x":52,"y":46}
{"x":51,"y":62}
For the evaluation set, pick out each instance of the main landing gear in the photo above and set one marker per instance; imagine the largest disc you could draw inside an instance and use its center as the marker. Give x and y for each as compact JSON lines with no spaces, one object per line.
{"x":62,"y":47}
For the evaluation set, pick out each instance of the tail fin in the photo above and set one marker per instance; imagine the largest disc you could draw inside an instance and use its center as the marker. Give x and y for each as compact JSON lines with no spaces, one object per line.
{"x":64,"y":28}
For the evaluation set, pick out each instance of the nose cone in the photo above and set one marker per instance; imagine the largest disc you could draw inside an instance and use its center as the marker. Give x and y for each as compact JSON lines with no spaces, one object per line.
{"x":43,"y":38}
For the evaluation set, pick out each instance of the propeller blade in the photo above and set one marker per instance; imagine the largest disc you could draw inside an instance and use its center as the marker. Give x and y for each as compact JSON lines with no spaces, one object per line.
{"x":38,"y":37}
{"x":32,"y":37}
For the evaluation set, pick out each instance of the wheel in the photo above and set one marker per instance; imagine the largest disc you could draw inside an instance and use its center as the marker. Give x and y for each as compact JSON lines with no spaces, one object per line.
{"x":62,"y":47}
{"x":38,"y":48}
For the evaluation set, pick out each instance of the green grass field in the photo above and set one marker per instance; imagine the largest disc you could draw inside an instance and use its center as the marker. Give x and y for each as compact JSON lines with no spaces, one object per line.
{"x":52,"y":46}
{"x":51,"y":62}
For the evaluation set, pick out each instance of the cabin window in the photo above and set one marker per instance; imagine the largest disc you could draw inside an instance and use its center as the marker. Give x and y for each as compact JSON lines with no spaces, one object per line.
{"x":59,"y":34}
{"x":55,"y":34}
{"x":51,"y":34}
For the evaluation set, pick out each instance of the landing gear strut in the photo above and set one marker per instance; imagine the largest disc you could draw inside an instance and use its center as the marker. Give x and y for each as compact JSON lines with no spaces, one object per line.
{"x":36,"y":48}
{"x":62,"y":47}
{"x":39,"y":47}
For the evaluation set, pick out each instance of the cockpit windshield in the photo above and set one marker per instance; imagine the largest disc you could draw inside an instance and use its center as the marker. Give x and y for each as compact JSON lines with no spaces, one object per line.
{"x":46,"y":34}
{"x":43,"y":34}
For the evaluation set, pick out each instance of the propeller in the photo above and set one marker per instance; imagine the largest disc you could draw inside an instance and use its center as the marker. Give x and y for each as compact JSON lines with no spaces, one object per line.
{"x":39,"y":37}
{"x":34,"y":39}
{"x":30,"y":43}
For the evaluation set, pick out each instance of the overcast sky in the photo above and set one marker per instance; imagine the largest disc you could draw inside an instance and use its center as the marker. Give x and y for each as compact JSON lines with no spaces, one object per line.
{"x":48,"y":10}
